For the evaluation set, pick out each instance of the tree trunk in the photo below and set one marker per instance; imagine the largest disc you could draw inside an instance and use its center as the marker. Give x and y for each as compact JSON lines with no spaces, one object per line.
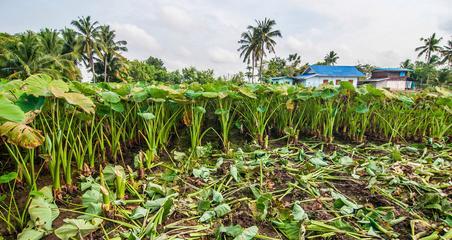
{"x":105,"y":69}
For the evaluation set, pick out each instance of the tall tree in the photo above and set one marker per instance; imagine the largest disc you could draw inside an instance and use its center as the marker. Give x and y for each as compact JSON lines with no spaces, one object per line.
{"x":247,"y":49}
{"x":108,"y":49}
{"x":446,"y":53}
{"x":331,"y":58}
{"x":265,"y":39}
{"x":72,"y":44}
{"x":407,"y":64}
{"x":430,"y":46}
{"x":87,"y":29}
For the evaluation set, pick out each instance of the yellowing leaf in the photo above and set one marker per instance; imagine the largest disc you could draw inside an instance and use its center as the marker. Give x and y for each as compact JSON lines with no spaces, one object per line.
{"x":21,"y":135}
{"x":80,"y":100}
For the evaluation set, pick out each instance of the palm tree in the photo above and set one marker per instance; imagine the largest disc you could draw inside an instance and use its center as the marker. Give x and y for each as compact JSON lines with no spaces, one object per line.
{"x":50,"y":42}
{"x":331,"y":58}
{"x":446,"y":53}
{"x":431,"y":45}
{"x":265,"y":35}
{"x":407,"y":64}
{"x":26,"y":57}
{"x":247,"y":48}
{"x":107,"y":48}
{"x":72,"y":44}
{"x":87,"y":30}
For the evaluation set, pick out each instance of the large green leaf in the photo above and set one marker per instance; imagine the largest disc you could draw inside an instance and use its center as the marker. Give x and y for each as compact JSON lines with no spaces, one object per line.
{"x":10,"y":112}
{"x":28,"y":102}
{"x":38,"y":85}
{"x":74,"y":228}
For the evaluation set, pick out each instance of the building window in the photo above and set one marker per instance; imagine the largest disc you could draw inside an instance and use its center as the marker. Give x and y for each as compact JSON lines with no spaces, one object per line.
{"x":338,"y":81}
{"x":325,"y":81}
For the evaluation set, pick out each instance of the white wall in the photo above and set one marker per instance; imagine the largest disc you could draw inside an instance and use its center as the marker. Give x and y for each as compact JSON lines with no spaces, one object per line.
{"x":317,"y":81}
{"x":393,"y":85}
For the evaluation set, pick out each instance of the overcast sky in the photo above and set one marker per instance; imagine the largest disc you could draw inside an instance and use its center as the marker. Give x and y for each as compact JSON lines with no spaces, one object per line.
{"x":204,"y":33}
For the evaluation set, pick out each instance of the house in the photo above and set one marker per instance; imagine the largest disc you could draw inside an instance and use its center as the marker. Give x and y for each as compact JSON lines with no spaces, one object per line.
{"x":391,"y":78}
{"x":317,"y":75}
{"x":282,"y":80}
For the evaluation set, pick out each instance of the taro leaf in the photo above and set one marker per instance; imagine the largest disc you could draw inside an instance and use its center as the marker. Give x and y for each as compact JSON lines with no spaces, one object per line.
{"x":58,"y":88}
{"x":38,"y":85}
{"x":207,"y":216}
{"x":247,"y":92}
{"x":21,"y":135}
{"x":216,"y":196}
{"x":406,"y":100}
{"x":30,"y":234}
{"x":42,"y":210}
{"x":291,"y":230}
{"x":139,"y":212}
{"x":80,"y":100}
{"x":199,"y":109}
{"x":73,"y":228}
{"x":110,"y":97}
{"x":92,"y":200}
{"x":10,"y":112}
{"x":202,"y":173}
{"x":109,"y":173}
{"x":203,"y":205}
{"x":262,"y":204}
{"x":8,"y":177}
{"x":210,"y":94}
{"x":29,"y":102}
{"x":233,"y":230}
{"x":318,"y":162}
{"x":248,"y":233}
{"x":220,"y":111}
{"x":362,"y":108}
{"x":222,"y":209}
{"x":235,"y":173}
{"x":152,"y":189}
{"x":179,"y":156}
{"x":342,"y":203}
{"x":346,"y":161}
{"x":117,"y":107}
{"x":83,"y":88}
{"x":298,"y":213}
{"x":147,"y":116}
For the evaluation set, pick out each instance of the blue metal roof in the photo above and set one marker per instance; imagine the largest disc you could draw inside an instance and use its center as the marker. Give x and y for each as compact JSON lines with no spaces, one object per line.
{"x":332,"y":71}
{"x":393,"y":69}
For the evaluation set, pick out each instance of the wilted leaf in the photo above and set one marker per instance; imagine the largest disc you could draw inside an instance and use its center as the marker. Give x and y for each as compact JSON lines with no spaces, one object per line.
{"x":248,"y":233}
{"x":21,"y":135}
{"x":77,"y":227}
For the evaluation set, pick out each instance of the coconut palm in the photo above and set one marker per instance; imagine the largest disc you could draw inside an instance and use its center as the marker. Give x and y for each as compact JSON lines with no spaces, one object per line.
{"x":71,"y":44}
{"x":265,"y":35}
{"x":331,"y":58}
{"x":107,"y":48}
{"x":407,"y":64}
{"x":446,"y":53}
{"x":50,"y":41}
{"x":247,"y":48}
{"x":87,"y":29}
{"x":431,"y":45}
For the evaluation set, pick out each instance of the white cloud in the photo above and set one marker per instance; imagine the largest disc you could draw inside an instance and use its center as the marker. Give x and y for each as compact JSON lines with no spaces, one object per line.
{"x":221,"y":55}
{"x":140,"y":43}
{"x":176,"y":17}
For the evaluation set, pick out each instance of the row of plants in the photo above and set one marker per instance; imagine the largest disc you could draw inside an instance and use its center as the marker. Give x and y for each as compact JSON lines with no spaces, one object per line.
{"x":73,"y":125}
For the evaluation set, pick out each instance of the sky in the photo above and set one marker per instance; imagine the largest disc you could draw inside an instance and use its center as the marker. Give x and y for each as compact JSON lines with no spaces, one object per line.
{"x":204,"y":33}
